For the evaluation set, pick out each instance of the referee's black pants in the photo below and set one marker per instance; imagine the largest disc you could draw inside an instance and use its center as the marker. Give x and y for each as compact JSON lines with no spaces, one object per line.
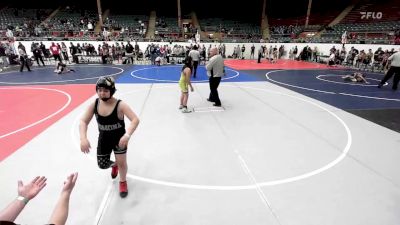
{"x":393,"y":70}
{"x":214,"y":83}
{"x":24,"y":62}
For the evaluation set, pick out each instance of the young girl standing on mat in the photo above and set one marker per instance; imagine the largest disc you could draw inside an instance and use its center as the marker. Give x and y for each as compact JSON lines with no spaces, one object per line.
{"x":184,"y":83}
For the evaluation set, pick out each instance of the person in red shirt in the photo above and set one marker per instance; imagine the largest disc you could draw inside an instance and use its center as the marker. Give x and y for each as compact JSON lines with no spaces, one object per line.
{"x":55,"y":51}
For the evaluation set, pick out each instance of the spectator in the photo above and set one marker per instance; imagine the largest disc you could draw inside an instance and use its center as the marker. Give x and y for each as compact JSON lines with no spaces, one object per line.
{"x":37,"y":54}
{"x":31,"y":190}
{"x":195,"y":56}
{"x":3,"y":56}
{"x":10,"y":35}
{"x":55,"y":51}
{"x":252,"y":51}
{"x":23,"y":58}
{"x":331,"y":59}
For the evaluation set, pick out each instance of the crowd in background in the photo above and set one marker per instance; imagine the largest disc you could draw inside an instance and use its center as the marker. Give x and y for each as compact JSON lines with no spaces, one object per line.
{"x":71,"y":23}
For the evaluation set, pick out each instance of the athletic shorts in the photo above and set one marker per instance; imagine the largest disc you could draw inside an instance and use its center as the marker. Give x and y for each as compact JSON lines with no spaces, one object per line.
{"x":184,"y":86}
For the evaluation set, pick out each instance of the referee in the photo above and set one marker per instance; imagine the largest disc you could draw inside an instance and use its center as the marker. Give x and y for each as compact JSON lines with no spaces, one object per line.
{"x":394,"y":69}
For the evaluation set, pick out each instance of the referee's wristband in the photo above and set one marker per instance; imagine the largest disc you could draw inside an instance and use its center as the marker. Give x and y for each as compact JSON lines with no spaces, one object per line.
{"x":127,"y":135}
{"x":23,"y":199}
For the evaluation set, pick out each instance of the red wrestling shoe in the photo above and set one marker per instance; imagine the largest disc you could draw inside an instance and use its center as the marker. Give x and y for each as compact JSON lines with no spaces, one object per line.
{"x":114,"y":171}
{"x":123,"y":189}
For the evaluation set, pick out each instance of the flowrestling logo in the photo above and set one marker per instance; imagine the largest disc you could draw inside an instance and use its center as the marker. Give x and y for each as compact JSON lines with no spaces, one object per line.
{"x":371,"y":15}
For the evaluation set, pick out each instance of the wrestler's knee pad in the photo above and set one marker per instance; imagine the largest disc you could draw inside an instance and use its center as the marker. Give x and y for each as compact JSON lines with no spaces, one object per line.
{"x":104,"y":162}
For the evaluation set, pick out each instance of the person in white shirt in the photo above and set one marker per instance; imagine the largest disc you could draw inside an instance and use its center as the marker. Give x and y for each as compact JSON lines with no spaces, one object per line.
{"x":215,"y":70}
{"x":90,"y":26}
{"x":10,"y":35}
{"x":331,"y":59}
{"x":195,"y":55}
{"x":197,"y":36}
{"x":260,"y":54}
{"x":105,"y":34}
{"x":394,"y":69}
{"x":23,"y":58}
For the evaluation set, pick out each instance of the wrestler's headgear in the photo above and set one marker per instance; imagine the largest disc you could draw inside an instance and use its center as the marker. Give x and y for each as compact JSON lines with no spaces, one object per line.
{"x":106,"y":82}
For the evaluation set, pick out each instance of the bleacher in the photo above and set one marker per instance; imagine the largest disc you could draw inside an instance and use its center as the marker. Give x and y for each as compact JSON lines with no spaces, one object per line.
{"x":369,"y":21}
{"x":22,"y":17}
{"x":363,"y":27}
{"x":359,"y":21}
{"x":69,"y":23}
{"x":322,"y":19}
{"x":167,"y":26}
{"x":211,"y":25}
{"x":390,"y":10}
{"x":232,"y":30}
{"x":24,"y":23}
{"x":131,"y":22}
{"x":72,"y":24}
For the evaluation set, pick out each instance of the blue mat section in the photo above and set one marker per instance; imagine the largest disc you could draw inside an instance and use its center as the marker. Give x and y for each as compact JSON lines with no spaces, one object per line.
{"x":328,"y":86}
{"x":325,"y":85}
{"x":172,"y":73}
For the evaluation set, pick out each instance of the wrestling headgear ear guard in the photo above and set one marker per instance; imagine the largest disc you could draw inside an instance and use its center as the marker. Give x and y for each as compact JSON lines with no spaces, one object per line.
{"x":107,"y":83}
